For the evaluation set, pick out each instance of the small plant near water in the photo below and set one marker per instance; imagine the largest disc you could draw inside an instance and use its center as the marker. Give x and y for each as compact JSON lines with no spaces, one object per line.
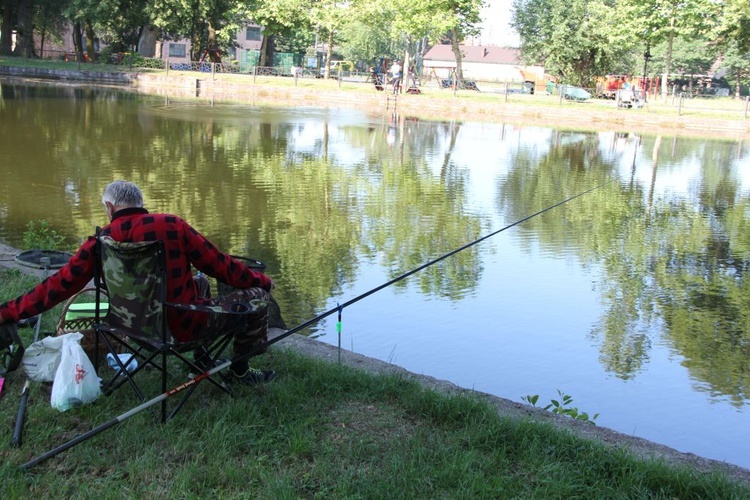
{"x":39,"y":235}
{"x":562,"y":407}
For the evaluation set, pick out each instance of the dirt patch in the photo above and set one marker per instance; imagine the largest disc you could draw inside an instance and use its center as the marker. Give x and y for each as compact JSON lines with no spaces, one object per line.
{"x":355,"y":420}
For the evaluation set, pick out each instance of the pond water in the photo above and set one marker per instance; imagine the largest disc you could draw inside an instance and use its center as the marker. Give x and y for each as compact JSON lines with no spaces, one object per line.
{"x":631,"y":298}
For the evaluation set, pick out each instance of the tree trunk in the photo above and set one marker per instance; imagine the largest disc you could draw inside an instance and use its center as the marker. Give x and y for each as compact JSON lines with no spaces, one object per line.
{"x":405,"y":73}
{"x":24,"y":30}
{"x":329,"y":53}
{"x":457,"y":53}
{"x":147,"y":40}
{"x":211,"y":36}
{"x":90,"y":36}
{"x":266,"y":50}
{"x":738,"y":86}
{"x":78,"y":40}
{"x":195,"y":47}
{"x":6,"y":41}
{"x":42,"y":39}
{"x":668,"y":62}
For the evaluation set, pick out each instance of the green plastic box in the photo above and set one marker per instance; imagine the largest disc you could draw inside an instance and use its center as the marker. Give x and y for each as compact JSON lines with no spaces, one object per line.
{"x":85,"y":310}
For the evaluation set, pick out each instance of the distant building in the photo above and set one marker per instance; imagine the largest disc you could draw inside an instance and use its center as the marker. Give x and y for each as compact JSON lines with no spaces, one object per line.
{"x":248,"y":42}
{"x":483,"y":63}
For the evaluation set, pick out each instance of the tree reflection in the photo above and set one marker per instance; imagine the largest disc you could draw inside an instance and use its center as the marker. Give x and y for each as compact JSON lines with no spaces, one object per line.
{"x":318,"y":201}
{"x":670,"y":265}
{"x":306,"y":197}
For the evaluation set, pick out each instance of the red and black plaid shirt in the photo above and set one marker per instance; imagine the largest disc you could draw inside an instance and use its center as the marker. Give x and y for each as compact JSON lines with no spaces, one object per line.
{"x":184,"y":247}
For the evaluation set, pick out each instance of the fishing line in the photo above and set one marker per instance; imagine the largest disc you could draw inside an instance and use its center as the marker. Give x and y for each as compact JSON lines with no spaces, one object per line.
{"x":195,"y":380}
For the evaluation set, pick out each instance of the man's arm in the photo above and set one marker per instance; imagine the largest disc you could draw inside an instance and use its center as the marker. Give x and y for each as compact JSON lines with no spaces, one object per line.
{"x":71,"y":278}
{"x":208,"y":259}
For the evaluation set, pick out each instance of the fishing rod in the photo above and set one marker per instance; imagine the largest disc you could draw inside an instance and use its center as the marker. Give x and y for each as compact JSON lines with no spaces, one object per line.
{"x":199,"y":378}
{"x":18,"y":427}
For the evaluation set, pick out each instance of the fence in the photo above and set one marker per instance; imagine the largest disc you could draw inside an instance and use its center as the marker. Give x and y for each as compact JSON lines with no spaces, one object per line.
{"x":676,"y":101}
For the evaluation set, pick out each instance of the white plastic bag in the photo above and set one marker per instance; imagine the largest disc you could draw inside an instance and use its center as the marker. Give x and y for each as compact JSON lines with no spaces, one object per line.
{"x":41,"y":359}
{"x":126,"y":359}
{"x":75,"y":381}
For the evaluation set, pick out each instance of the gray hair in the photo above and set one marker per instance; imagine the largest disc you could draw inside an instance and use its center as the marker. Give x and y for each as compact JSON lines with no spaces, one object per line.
{"x":123,"y":194}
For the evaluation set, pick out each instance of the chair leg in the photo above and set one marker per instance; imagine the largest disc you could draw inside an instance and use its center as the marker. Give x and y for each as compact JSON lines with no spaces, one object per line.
{"x":164,"y":386}
{"x":213,"y":352}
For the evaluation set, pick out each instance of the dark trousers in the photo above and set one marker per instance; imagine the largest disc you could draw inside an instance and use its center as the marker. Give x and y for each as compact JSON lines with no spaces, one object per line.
{"x":251,"y":331}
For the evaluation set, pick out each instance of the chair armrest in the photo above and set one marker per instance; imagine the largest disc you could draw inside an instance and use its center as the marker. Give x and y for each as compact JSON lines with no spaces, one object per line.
{"x":235,"y":308}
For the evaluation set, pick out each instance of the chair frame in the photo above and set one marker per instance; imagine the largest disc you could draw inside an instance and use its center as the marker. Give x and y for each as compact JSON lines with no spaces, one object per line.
{"x":156,"y":349}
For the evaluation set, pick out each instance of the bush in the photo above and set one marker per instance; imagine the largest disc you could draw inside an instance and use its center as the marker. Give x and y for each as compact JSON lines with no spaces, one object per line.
{"x":40,"y":236}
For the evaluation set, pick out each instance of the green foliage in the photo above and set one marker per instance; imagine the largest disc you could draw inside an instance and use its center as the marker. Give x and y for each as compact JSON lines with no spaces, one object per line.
{"x":39,"y":235}
{"x":562,"y":406}
{"x":570,"y":39}
{"x":734,"y":26}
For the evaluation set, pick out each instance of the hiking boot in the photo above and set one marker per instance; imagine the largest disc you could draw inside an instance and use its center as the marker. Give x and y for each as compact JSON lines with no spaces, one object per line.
{"x":252,"y":376}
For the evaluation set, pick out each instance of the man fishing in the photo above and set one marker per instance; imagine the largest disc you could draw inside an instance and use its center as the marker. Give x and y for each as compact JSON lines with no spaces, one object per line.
{"x":184,"y":247}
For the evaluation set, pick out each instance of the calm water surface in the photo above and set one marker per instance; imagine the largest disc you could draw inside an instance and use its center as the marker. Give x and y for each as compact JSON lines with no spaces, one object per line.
{"x":633,"y":298}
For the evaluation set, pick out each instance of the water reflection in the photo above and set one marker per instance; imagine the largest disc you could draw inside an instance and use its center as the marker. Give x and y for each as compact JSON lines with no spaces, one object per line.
{"x":337,"y":202}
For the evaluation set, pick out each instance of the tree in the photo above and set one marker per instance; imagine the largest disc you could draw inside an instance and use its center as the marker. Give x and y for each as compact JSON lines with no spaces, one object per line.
{"x":49,"y":21}
{"x":277,"y":17}
{"x":24,"y":26}
{"x":208,"y":24}
{"x":737,"y":63}
{"x":413,"y":20}
{"x":573,"y":39}
{"x":658,"y":21}
{"x":734,"y":39}
{"x":464,"y":19}
{"x":734,"y":25}
{"x":328,"y":16}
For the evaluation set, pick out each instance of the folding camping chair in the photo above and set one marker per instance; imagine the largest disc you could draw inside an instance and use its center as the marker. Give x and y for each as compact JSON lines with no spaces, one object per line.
{"x":135,"y":278}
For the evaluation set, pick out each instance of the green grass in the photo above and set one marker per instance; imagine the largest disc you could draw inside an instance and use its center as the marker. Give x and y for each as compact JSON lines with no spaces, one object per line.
{"x":319,"y":431}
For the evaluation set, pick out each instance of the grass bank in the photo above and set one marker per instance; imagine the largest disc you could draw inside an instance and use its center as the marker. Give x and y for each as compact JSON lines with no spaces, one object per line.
{"x":715,"y":117}
{"x":320,"y":430}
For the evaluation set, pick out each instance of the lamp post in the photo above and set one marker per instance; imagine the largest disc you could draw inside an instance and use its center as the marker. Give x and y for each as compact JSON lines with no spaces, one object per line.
{"x":646,"y":57}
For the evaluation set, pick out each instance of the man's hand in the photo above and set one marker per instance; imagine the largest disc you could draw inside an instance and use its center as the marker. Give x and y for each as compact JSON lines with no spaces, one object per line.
{"x":1,"y":319}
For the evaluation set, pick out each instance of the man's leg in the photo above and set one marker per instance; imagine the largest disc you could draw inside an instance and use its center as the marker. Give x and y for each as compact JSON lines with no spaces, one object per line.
{"x":252,"y":331}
